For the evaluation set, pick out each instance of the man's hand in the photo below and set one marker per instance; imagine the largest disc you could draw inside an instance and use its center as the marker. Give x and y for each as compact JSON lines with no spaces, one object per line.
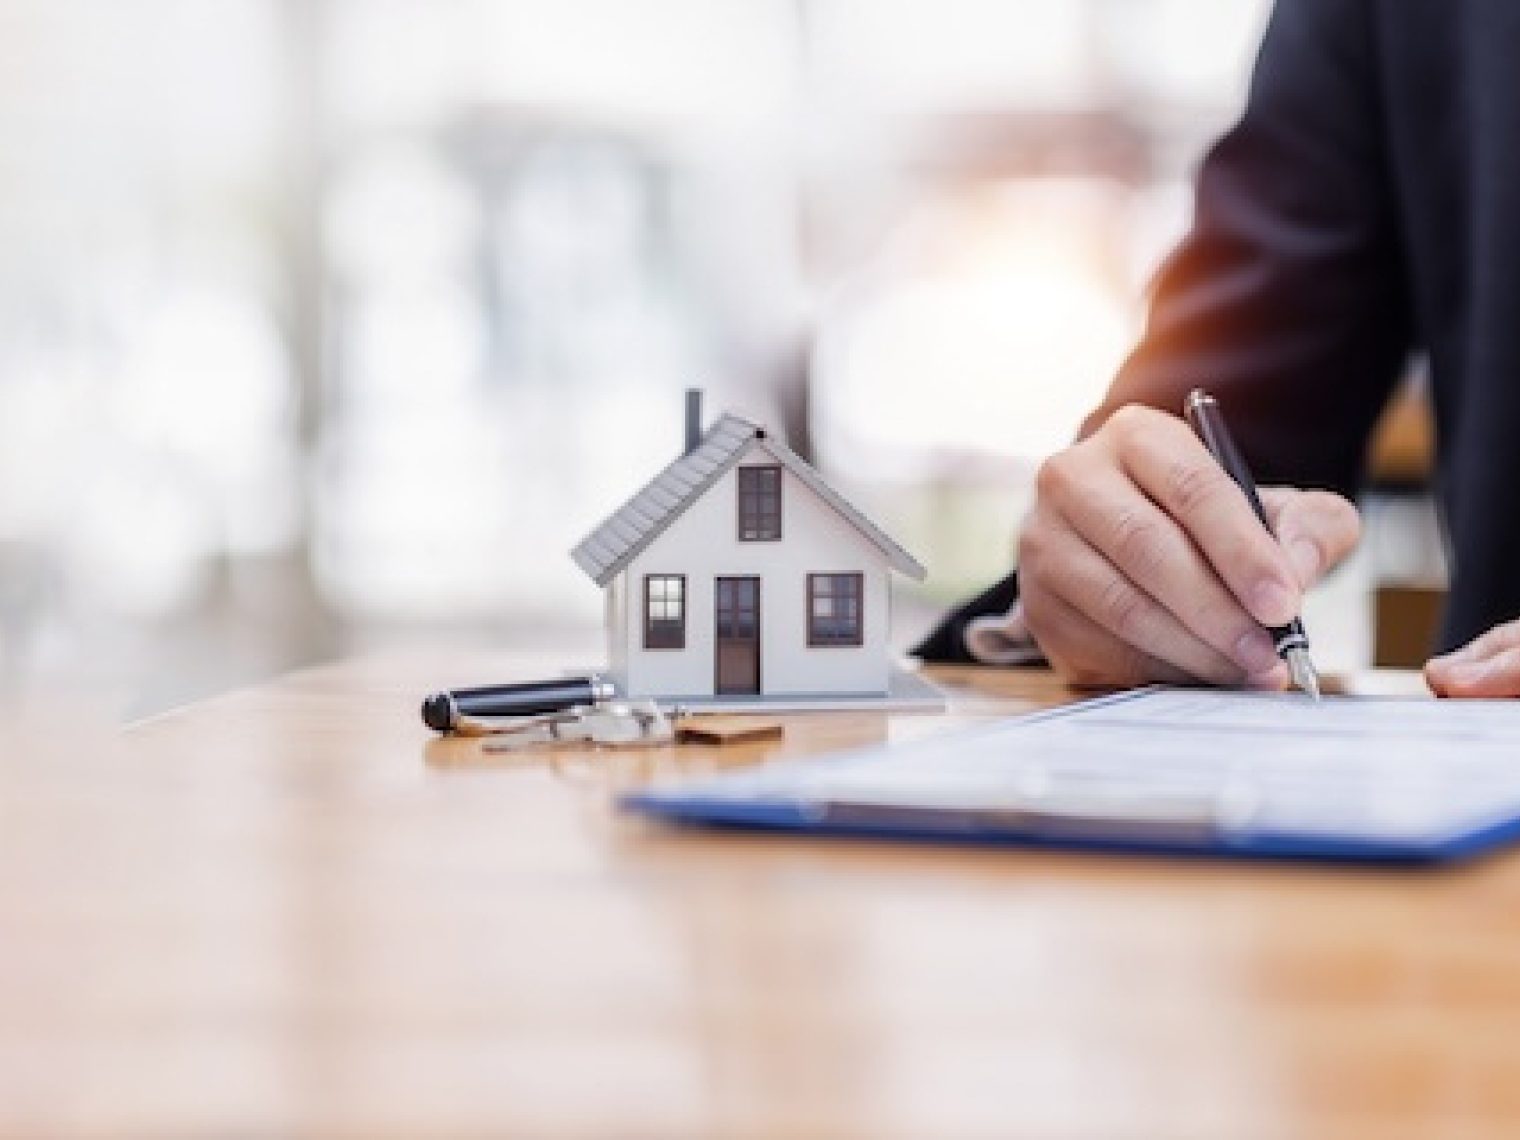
{"x":1143,"y":561}
{"x":1487,"y":666}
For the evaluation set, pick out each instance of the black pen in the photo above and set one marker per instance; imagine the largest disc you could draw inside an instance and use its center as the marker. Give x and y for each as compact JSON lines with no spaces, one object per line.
{"x":449,"y":710}
{"x":1292,"y":643}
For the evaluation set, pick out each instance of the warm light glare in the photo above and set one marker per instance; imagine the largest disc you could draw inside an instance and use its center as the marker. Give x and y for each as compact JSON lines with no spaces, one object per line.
{"x":994,"y":330}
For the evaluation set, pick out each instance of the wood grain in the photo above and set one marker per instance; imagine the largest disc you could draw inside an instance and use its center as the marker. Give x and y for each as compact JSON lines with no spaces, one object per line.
{"x":290,"y":911}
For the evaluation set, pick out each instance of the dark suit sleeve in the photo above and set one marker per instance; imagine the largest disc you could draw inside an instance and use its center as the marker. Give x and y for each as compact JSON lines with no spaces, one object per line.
{"x":1288,"y":297}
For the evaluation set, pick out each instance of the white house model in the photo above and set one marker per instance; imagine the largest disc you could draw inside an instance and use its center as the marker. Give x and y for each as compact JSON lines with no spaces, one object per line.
{"x":738,"y":572}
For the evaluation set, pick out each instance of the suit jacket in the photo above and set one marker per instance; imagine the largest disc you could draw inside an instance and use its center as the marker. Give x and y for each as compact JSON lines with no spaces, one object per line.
{"x":1366,"y":207}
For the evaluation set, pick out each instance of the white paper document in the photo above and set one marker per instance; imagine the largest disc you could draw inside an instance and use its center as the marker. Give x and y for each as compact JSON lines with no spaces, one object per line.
{"x":1368,"y":768}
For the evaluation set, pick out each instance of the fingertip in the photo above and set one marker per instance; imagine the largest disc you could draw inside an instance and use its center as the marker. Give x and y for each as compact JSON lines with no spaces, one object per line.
{"x":1274,"y":680}
{"x":1435,"y":675}
{"x":1254,"y":653}
{"x":1438,"y":669}
{"x":1455,"y":682}
{"x":1329,"y":523}
{"x":1273,"y":603}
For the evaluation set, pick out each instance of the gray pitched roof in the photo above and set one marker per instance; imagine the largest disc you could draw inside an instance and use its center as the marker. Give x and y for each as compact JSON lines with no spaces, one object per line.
{"x":638,"y":522}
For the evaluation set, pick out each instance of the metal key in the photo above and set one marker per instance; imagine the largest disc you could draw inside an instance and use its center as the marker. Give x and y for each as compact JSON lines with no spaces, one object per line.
{"x":615,"y":723}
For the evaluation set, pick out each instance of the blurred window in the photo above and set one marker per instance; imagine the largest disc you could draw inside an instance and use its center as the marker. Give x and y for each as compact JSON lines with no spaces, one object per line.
{"x":835,"y":609}
{"x":759,"y":504}
{"x":665,"y":611}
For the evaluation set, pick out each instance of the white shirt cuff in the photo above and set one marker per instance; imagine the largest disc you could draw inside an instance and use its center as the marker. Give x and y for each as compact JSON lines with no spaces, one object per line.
{"x":1002,"y":639}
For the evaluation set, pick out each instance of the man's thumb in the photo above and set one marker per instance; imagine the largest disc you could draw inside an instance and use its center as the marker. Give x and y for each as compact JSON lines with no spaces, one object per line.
{"x":1316,"y":528}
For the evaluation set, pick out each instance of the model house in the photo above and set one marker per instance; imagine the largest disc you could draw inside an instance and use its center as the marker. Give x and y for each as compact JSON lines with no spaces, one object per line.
{"x":739,"y":572}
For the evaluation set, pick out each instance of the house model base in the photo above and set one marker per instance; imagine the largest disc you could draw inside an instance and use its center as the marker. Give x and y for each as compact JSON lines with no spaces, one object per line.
{"x":907,"y":691}
{"x":738,"y":578}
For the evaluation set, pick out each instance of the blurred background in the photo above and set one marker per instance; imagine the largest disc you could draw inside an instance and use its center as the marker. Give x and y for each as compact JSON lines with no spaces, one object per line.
{"x":333,"y":324}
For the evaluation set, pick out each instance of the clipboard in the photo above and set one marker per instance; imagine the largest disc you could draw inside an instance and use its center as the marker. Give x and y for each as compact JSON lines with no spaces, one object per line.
{"x":1166,"y":771}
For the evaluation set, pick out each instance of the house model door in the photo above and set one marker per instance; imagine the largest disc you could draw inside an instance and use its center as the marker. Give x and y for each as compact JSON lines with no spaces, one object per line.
{"x":736,"y":640}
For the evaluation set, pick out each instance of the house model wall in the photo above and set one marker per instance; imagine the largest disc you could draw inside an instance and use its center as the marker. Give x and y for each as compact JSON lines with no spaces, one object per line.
{"x":705,"y":597}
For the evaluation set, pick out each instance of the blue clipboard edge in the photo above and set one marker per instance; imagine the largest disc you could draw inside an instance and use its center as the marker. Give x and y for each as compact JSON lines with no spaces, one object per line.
{"x":700,"y":812}
{"x":781,"y":817}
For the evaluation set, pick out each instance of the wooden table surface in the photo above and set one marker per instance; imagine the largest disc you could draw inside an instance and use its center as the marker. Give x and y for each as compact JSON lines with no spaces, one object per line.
{"x":289,"y":911}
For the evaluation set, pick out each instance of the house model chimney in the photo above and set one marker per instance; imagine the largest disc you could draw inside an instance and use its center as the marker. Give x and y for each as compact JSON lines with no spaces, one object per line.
{"x":693,"y":419}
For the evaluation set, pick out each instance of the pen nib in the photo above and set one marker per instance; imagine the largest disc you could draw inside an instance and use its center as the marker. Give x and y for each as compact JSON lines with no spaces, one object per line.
{"x":1302,"y":671}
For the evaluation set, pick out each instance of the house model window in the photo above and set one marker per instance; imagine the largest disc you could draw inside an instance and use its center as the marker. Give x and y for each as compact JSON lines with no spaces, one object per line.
{"x":834,"y":609}
{"x":760,"y":503}
{"x":665,"y":611}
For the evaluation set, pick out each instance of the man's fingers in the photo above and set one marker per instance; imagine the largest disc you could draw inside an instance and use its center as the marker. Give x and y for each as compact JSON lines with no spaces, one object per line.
{"x":1496,"y":640}
{"x":1143,"y":549}
{"x":1493,"y":676}
{"x":1167,"y":461}
{"x":1487,"y":666}
{"x":1316,"y":528}
{"x":1150,"y":549}
{"x":1086,"y":654}
{"x":1094,"y":586}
